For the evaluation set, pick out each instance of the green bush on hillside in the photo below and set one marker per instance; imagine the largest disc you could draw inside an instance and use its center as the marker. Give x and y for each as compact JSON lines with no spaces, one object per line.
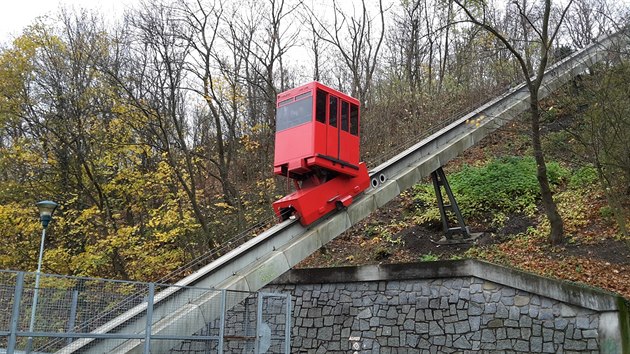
{"x":507,"y":185}
{"x":583,"y":177}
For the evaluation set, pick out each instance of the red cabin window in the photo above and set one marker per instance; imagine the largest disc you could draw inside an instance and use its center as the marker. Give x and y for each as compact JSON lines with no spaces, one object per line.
{"x":294,"y":114}
{"x":332,"y":120}
{"x":320,"y":109}
{"x":344,"y":116}
{"x":354,"y":119}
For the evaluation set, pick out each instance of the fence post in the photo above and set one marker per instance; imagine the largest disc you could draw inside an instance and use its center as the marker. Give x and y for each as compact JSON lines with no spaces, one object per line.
{"x":15,"y":313}
{"x":259,"y":319}
{"x":147,"y":330}
{"x":287,"y":329}
{"x":73,"y":313}
{"x":222,"y":321}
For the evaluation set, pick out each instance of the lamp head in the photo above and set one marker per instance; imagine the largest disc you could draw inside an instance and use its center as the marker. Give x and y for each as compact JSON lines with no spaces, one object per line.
{"x":46,"y":210}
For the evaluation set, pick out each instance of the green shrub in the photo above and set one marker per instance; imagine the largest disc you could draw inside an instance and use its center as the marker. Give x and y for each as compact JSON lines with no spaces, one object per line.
{"x":583,"y":177}
{"x":507,"y":185}
{"x":606,"y":212}
{"x":429,"y":257}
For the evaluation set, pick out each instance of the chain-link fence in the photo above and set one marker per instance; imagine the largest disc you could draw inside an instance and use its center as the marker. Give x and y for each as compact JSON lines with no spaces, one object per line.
{"x":87,"y":315}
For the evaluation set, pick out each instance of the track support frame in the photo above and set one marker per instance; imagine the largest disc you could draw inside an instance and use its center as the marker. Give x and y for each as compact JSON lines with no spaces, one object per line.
{"x":439,"y":181}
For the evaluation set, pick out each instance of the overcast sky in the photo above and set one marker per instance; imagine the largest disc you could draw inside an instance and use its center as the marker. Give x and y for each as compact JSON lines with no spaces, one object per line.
{"x":15,"y":15}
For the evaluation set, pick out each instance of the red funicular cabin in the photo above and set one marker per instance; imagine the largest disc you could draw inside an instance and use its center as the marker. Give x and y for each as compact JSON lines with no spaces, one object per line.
{"x":317,"y":146}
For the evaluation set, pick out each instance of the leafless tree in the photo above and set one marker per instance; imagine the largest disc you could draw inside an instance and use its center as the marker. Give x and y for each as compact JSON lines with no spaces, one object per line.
{"x":587,"y":20}
{"x":533,"y":61}
{"x":154,"y":83}
{"x":217,"y":77}
{"x":357,"y":41}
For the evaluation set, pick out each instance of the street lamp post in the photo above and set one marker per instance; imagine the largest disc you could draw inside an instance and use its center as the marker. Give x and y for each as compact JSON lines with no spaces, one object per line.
{"x":46,"y":210}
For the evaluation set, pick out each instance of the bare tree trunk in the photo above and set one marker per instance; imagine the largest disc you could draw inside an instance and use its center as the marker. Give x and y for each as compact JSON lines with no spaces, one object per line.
{"x":546,"y":36}
{"x":557,"y":228}
{"x":444,"y":63}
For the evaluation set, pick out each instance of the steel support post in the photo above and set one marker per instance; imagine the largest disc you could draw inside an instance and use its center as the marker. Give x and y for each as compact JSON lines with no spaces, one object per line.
{"x":15,"y":312}
{"x":222,"y":320}
{"x":73,"y":314}
{"x":439,"y":180}
{"x":31,"y":326}
{"x":147,"y":330}
{"x":287,"y":329}
{"x":259,"y":320}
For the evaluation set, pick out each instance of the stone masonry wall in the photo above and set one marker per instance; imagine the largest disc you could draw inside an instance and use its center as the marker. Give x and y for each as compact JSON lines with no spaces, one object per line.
{"x":438,"y":316}
{"x":445,"y":315}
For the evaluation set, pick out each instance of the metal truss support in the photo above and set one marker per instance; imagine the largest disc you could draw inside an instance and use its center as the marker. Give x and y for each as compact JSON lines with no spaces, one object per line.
{"x":439,"y":180}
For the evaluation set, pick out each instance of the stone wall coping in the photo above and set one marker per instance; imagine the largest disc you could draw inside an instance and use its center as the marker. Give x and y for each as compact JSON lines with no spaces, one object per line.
{"x":565,"y":291}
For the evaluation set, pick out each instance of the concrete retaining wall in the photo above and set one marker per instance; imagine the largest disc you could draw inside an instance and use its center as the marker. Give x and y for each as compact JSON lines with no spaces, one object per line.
{"x":451,"y":306}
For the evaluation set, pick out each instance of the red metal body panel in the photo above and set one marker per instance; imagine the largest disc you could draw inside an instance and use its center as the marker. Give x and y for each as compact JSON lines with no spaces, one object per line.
{"x":347,"y":146}
{"x":311,"y":203}
{"x":317,"y":145}
{"x":291,"y":148}
{"x":332,"y":142}
{"x":319,"y":132}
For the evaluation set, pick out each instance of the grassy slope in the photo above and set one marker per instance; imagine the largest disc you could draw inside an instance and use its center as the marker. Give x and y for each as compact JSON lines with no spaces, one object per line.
{"x":593,"y":253}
